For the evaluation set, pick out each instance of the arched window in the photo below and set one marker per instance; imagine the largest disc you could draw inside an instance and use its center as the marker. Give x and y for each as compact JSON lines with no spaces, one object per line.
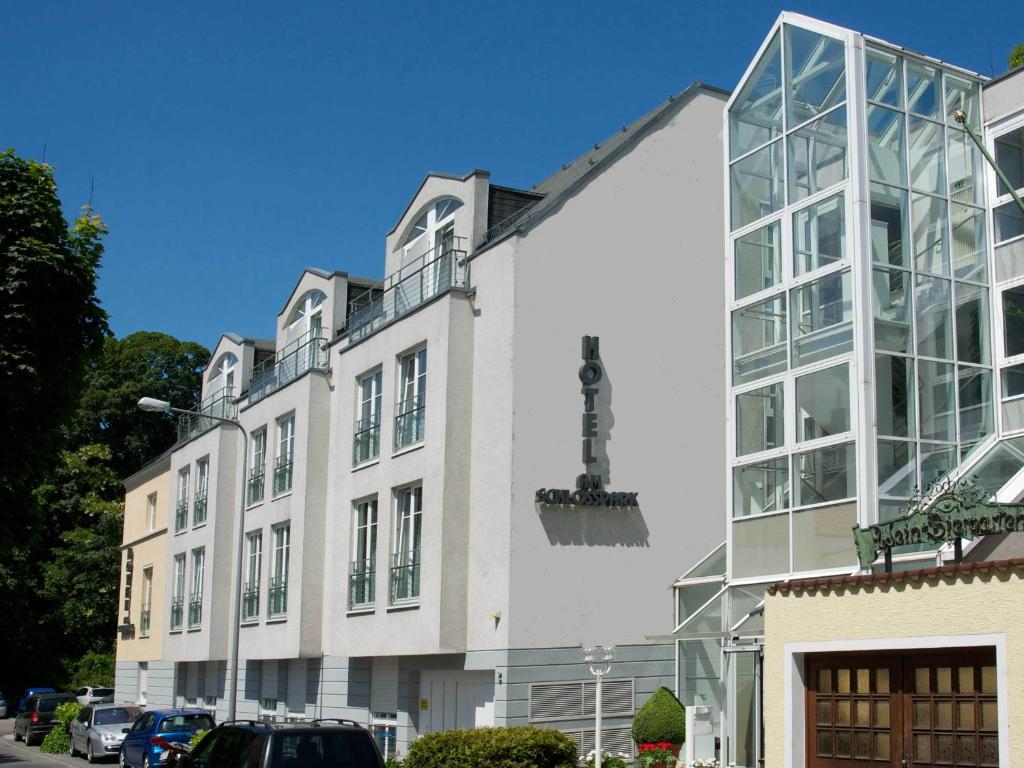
{"x":306,"y":318}
{"x":434,"y":228}
{"x":223,"y":377}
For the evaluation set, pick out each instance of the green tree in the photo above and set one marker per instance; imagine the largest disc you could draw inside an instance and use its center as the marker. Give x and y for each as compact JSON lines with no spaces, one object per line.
{"x":52,"y":325}
{"x":144,"y":364}
{"x":1016,"y":56}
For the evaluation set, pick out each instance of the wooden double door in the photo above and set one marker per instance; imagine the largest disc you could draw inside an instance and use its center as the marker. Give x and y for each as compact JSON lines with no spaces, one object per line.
{"x":920,"y":709}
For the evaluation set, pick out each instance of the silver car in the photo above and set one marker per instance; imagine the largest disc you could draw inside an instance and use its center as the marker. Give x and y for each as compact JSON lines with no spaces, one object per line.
{"x":99,"y":729}
{"x":3,"y":706}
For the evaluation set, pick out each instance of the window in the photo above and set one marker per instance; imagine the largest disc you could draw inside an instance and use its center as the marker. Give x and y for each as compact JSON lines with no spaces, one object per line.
{"x":819,"y":235}
{"x":822,"y":318}
{"x":178,"y":592}
{"x":759,"y":420}
{"x":756,"y":185}
{"x":410,"y":410}
{"x":761,"y":488}
{"x":181,"y":509}
{"x":1013,"y":320}
{"x":147,"y":601}
{"x":827,"y":474}
{"x":823,"y":403}
{"x":223,"y":380}
{"x":817,"y":155}
{"x":759,"y":340}
{"x":258,"y":470}
{"x":195,"y":601}
{"x":202,"y":488}
{"x":405,"y":562}
{"x":306,"y":319}
{"x":151,"y":511}
{"x":758,"y":258}
{"x":278,"y":594}
{"x":367,"y":431}
{"x":1010,"y":158}
{"x":756,"y":115}
{"x":285,"y":454}
{"x":428,"y":233}
{"x":253,"y":574}
{"x":363,"y":571}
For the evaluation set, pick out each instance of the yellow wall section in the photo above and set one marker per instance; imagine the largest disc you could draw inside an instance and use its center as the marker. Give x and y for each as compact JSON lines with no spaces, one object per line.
{"x":978,"y":604}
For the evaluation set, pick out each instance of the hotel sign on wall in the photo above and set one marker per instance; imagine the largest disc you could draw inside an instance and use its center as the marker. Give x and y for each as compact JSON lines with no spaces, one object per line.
{"x":589,"y":490}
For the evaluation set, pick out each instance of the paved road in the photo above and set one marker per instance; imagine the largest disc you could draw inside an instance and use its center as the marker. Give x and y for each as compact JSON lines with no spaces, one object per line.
{"x":14,"y":754}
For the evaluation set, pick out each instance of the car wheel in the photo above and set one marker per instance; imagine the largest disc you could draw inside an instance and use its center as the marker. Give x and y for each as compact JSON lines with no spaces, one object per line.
{"x":71,"y":746}
{"x":120,"y":758}
{"x":145,"y":761}
{"x":29,"y":741}
{"x":88,"y":752}
{"x":17,"y":736}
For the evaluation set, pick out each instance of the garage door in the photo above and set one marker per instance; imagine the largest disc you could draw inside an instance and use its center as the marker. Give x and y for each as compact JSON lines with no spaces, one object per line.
{"x":453,"y":699}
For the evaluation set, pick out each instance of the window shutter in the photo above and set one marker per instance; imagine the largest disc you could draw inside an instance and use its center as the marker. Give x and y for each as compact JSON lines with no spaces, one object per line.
{"x":613,"y":740}
{"x":564,"y":701}
{"x":616,"y":698}
{"x":384,"y":684}
{"x":268,"y":680}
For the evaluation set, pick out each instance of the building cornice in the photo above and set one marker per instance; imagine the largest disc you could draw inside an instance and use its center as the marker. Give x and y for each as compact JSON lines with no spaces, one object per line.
{"x":142,"y":539}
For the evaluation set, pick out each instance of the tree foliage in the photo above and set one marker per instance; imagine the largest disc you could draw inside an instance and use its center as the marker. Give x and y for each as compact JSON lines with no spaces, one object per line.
{"x":52,"y":325}
{"x":1016,"y":56}
{"x":661,"y":719}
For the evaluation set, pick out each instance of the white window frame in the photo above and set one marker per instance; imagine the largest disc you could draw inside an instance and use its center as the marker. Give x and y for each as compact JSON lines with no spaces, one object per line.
{"x":198,"y":579}
{"x":151,"y":511}
{"x":369,"y":404}
{"x":407,"y":538}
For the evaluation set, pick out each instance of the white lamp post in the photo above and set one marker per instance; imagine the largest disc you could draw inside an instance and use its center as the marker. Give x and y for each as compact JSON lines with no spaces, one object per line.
{"x":152,"y":405}
{"x":599,"y":662}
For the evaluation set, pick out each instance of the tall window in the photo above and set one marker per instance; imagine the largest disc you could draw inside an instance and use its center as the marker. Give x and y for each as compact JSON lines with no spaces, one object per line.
{"x":278,"y":594}
{"x":181,"y":509}
{"x":364,"y":557}
{"x":147,"y":601}
{"x":285,"y":454}
{"x":178,"y":592}
{"x":151,"y":511}
{"x":202,"y":488}
{"x":223,"y":381}
{"x":367,"y":432}
{"x":410,"y":410}
{"x":405,"y":558}
{"x":258,"y":470}
{"x":306,"y":318}
{"x":195,"y":601}
{"x":253,"y":571}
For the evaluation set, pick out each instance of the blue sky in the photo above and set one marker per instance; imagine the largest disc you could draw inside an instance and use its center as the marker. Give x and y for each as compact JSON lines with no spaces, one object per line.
{"x":234,"y":143}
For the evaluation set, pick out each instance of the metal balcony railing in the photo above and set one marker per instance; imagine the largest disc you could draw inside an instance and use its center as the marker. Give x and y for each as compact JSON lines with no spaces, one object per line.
{"x":361,"y":579}
{"x":177,"y":611}
{"x":409,"y":421}
{"x":199,"y":509}
{"x":277,"y":596}
{"x":257,"y":479}
{"x":221,"y":403}
{"x":509,"y":222}
{"x":306,"y":353}
{"x":405,"y":576}
{"x":181,"y":515}
{"x":366,"y":443}
{"x":251,"y":602}
{"x":144,"y":620}
{"x":195,"y":611}
{"x":282,"y":474}
{"x":438,"y":270}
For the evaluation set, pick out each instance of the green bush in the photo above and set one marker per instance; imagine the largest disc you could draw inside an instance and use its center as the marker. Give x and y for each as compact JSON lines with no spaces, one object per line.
{"x":196,"y":737}
{"x":58,"y":741}
{"x":661,"y":718}
{"x":522,"y":747}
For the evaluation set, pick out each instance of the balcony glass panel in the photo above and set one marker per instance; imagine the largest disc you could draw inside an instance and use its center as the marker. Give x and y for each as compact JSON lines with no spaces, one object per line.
{"x":221,"y":403}
{"x":827,"y":474}
{"x":823,"y":403}
{"x":1009,"y":222}
{"x":405,"y":576}
{"x":886,"y":140}
{"x":884,"y":77}
{"x":821,"y":538}
{"x":760,"y":546}
{"x":815,"y":74}
{"x":306,"y":353}
{"x":257,"y":481}
{"x":409,"y":421}
{"x":1009,"y":260}
{"x":892,"y":307}
{"x":937,"y":401}
{"x":897,"y":467}
{"x":760,"y":488}
{"x":931,"y":251}
{"x":927,"y":156}
{"x":962,"y":94}
{"x":934,"y":321}
{"x":756,"y":185}
{"x":361,"y":583}
{"x":759,"y":340}
{"x":181,"y":516}
{"x":282,"y":474}
{"x":366,"y":443}
{"x":195,"y":611}
{"x":759,"y":420}
{"x":976,"y":404}
{"x":145,"y":620}
{"x":1013,"y":320}
{"x":822,"y":319}
{"x":758,"y":257}
{"x":756,"y":115}
{"x":1013,"y":381}
{"x":1010,"y":158}
{"x":277,"y":596}
{"x":894,"y":395}
{"x":177,"y":611}
{"x":923,"y":90}
{"x":972,"y":324}
{"x":251,"y":602}
{"x":817,"y":155}
{"x":970,"y":255}
{"x":819,"y":235}
{"x":889,"y":227}
{"x":965,"y":169}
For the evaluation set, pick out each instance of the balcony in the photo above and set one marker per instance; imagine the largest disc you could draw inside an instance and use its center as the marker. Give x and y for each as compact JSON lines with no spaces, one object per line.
{"x":199,"y":509}
{"x":251,"y":602}
{"x":144,"y":620}
{"x":361,"y":583}
{"x":405,"y":576}
{"x":409,"y":421}
{"x":282,"y":474}
{"x":181,"y":515}
{"x":257,"y":478}
{"x":277,"y":596}
{"x":435,"y":272}
{"x":367,"y":439}
{"x":306,"y":353}
{"x":177,"y":611}
{"x":195,"y":611}
{"x":220,"y":403}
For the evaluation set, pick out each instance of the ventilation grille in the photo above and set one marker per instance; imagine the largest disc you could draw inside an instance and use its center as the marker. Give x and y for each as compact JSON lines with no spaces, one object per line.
{"x":613,"y":740}
{"x":567,"y":701}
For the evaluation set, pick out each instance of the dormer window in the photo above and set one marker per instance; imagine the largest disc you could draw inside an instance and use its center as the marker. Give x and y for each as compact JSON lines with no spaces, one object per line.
{"x":306,"y":319}
{"x":223,"y":379}
{"x":433,"y":229}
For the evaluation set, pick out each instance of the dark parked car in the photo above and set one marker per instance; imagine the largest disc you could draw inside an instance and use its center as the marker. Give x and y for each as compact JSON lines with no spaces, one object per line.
{"x":29,"y":693}
{"x":320,"y":744}
{"x":153,"y":733}
{"x":38,"y":716}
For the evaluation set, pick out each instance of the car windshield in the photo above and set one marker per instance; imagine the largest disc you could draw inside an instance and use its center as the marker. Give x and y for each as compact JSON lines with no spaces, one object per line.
{"x":330,"y":749}
{"x":190,"y":723}
{"x":115,"y":715}
{"x":50,"y":705}
{"x":101,"y":692}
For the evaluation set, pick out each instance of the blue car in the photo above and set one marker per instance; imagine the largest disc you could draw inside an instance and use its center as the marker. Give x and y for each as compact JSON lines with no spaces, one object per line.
{"x":148,"y":740}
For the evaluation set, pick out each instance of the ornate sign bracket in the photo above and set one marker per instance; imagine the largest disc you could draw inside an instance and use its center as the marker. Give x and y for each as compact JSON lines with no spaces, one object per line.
{"x":943,"y":512}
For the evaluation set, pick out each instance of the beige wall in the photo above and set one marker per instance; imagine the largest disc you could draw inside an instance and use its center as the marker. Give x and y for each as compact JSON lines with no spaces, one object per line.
{"x":150,"y":550}
{"x":980,"y":610}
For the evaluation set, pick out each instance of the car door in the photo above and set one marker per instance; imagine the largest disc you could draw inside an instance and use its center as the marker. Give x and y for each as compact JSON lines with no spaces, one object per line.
{"x":79,"y":726}
{"x":25,"y":717}
{"x":135,"y":740}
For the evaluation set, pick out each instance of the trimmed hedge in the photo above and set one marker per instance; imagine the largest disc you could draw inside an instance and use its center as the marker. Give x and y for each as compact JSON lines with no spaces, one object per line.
{"x":58,"y":741}
{"x":661,"y":718}
{"x":521,"y":747}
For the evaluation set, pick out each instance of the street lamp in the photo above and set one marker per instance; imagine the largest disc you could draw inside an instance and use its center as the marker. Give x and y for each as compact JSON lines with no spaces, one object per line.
{"x":599,"y":661}
{"x":152,"y":405}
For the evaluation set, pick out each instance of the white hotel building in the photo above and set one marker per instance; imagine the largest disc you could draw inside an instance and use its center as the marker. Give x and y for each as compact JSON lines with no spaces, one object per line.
{"x":398,"y":568}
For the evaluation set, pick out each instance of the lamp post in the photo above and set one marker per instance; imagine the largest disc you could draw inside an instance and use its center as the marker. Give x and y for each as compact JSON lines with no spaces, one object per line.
{"x":153,"y":405}
{"x":599,"y":662}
